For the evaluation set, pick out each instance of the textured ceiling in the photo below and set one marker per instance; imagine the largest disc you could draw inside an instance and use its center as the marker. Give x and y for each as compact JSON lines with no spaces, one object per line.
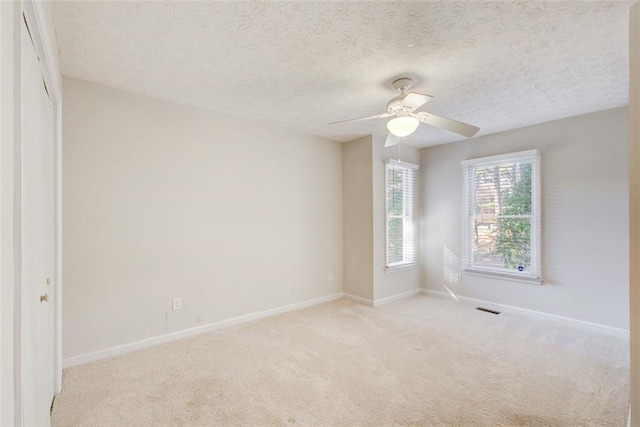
{"x":300,"y":65}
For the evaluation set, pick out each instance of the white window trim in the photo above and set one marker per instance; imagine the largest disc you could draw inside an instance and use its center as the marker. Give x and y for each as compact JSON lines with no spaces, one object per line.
{"x":506,"y":275}
{"x":403,"y":164}
{"x":536,"y":252}
{"x":399,"y":266}
{"x":403,"y":265}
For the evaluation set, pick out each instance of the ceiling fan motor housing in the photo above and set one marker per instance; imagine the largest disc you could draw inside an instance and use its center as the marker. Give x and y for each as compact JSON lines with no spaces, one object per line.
{"x":394,"y":106}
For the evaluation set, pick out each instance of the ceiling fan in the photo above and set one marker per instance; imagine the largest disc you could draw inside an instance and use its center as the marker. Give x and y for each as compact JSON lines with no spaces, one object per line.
{"x":407,"y":119}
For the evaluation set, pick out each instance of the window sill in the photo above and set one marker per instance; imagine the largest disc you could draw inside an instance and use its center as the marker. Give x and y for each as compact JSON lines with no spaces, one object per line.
{"x":399,"y":267}
{"x":511,"y":277}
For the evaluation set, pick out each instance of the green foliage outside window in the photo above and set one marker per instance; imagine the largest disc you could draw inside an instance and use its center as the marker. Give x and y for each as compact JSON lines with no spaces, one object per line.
{"x":395,"y":212}
{"x":501,"y":215}
{"x":513,"y":239}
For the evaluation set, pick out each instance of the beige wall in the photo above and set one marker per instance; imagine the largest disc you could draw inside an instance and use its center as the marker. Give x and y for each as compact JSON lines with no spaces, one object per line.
{"x":584,"y":217}
{"x":396,"y":282}
{"x":358,"y":217}
{"x":165,"y":201}
{"x":365,"y":275}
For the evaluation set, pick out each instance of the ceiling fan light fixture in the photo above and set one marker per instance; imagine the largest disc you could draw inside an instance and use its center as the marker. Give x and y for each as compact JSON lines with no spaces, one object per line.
{"x":403,"y":126}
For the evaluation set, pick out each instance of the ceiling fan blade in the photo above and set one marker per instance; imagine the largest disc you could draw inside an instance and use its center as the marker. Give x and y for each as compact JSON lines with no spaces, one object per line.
{"x":379,"y":116}
{"x":415,"y":100}
{"x":391,"y":140}
{"x":447,"y":124}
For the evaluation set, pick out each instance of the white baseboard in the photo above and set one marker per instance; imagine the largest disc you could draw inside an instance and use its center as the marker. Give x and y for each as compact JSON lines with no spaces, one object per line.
{"x":397,"y":297}
{"x":381,"y":301}
{"x":358,"y":299}
{"x":161,"y":339}
{"x":492,"y":305}
{"x":629,"y":417}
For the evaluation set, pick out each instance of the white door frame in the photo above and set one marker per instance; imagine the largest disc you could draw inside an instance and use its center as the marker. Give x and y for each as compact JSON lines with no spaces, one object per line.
{"x":38,"y":16}
{"x":42,"y":33}
{"x":10,"y":133}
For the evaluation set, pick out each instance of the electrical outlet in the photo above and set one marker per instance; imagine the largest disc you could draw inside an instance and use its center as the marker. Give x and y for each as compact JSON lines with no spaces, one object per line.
{"x":331,"y":277}
{"x":176,"y":304}
{"x":459,"y":277}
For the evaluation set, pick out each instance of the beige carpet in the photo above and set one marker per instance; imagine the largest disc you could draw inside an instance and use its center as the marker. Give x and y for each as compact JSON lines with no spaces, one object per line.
{"x":423,"y":361}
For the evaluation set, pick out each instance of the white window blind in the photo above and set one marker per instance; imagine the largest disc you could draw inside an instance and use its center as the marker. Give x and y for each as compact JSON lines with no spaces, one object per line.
{"x":502,"y":214}
{"x":401,"y":204}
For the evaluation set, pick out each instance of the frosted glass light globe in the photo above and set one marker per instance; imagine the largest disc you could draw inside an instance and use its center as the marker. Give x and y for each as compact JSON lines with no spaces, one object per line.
{"x":403,"y":126}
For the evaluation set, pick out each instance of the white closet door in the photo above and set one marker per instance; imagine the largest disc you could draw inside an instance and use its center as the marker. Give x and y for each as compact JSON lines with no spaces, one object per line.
{"x":37,"y":240}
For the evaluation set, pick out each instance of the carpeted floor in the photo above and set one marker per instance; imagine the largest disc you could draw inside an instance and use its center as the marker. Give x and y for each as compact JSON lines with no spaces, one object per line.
{"x":422,"y":361}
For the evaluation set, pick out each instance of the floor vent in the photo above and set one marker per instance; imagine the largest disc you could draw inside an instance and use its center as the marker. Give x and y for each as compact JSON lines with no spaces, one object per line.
{"x":487,"y":310}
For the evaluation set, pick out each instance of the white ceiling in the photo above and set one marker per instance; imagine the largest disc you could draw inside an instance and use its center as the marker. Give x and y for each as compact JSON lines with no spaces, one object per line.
{"x":300,"y":65}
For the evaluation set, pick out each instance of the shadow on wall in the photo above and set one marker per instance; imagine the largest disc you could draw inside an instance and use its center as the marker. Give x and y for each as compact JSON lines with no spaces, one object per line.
{"x":450,"y":269}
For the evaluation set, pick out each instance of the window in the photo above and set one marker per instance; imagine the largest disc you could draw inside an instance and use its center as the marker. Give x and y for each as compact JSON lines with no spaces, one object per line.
{"x":401,"y":205}
{"x":502,"y":215}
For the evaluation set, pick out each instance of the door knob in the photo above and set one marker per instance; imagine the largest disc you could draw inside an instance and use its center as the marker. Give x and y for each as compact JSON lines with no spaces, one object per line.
{"x":44,"y":298}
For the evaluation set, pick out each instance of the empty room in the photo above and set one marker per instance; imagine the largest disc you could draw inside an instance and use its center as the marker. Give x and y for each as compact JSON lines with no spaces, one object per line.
{"x":320,"y":213}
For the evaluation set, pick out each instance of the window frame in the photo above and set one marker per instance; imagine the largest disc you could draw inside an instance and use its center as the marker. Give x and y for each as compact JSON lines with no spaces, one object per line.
{"x":533,"y":277}
{"x":409,"y":215}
